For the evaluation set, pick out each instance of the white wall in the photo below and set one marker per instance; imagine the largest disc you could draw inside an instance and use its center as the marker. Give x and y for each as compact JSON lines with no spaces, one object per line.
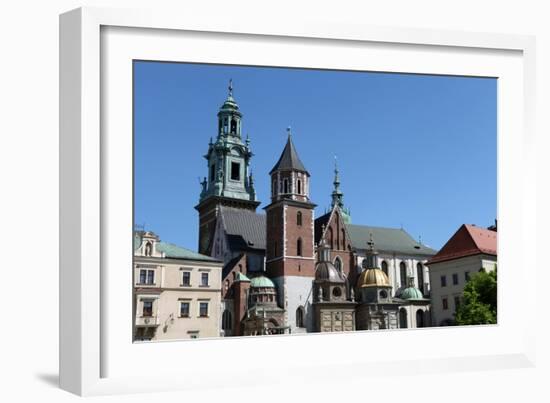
{"x":469,"y":264}
{"x":29,"y":163}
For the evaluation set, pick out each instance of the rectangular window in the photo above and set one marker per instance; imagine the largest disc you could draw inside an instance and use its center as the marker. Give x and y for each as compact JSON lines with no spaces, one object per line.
{"x":184,"y":309}
{"x":212,"y":173}
{"x":147,"y":308}
{"x":467,"y":276}
{"x":455,"y":279}
{"x":445,"y":304}
{"x":146,"y":276}
{"x":235,"y":171}
{"x":203,"y":309}
{"x":443,"y":281}
{"x":186,"y":278}
{"x":204,"y":279}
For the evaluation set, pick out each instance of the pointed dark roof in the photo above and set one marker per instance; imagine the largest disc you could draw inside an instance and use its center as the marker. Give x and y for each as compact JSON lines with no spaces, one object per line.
{"x":289,"y":159}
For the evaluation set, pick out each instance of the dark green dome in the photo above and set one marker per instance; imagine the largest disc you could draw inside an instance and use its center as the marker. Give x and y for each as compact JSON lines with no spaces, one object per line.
{"x":261,"y":282}
{"x":411,"y":293}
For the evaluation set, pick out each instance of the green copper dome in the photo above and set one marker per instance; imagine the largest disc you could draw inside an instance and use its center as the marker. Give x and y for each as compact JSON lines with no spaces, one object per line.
{"x":261,"y":282}
{"x":242,"y":277}
{"x":411,"y":293}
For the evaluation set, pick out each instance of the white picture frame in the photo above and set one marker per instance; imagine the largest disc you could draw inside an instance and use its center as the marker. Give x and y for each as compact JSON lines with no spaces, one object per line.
{"x":97,"y":41}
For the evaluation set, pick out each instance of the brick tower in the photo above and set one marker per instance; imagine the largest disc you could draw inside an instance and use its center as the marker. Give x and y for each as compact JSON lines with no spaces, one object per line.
{"x":289,"y":238}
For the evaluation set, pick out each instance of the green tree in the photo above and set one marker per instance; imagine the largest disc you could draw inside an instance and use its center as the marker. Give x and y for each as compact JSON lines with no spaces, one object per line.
{"x":479,"y":306}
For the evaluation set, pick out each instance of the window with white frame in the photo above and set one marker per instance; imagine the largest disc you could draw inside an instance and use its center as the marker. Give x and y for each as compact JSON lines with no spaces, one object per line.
{"x":203,"y":309}
{"x":204,"y":279}
{"x":186,"y":278}
{"x":146,"y":276}
{"x":147,"y":308}
{"x":184,"y":309}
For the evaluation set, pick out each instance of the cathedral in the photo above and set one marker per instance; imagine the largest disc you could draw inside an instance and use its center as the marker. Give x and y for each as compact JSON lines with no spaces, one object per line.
{"x":286,"y":271}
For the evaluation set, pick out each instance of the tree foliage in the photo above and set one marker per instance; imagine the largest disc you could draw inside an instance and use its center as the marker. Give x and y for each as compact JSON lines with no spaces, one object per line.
{"x":479,"y":306}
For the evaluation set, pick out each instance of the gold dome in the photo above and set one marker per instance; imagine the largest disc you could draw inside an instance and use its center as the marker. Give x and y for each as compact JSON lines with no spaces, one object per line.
{"x":373,"y":278}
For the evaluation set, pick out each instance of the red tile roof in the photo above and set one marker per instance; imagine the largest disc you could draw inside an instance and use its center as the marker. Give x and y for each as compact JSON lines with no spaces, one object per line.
{"x":469,"y":240}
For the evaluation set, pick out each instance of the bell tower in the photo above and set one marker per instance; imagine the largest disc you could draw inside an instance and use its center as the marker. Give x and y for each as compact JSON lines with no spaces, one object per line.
{"x":229,"y":181}
{"x":289,"y":238}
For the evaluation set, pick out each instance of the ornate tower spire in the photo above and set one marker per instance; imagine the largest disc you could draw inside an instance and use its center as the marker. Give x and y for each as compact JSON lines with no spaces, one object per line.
{"x":338,"y":196}
{"x":229,"y":181}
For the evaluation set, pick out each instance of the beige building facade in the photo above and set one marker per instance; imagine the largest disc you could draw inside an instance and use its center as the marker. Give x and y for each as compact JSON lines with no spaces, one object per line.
{"x":177,"y":292}
{"x":470,"y":250}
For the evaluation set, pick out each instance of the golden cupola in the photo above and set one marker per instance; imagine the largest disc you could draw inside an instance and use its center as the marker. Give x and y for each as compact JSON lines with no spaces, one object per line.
{"x":373,"y":277}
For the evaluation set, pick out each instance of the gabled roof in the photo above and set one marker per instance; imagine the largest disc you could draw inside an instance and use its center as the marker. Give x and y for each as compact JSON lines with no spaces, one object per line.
{"x":289,"y":159}
{"x":469,"y":240}
{"x":393,"y":240}
{"x":245,"y":229}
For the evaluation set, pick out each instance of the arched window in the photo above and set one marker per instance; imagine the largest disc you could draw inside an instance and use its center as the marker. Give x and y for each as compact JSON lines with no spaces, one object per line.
{"x":403,"y":274}
{"x":274,"y":188}
{"x":331,"y":237}
{"x":299,"y":247}
{"x":343,"y":239}
{"x":299,"y":218}
{"x":299,"y":187}
{"x":419,"y":318}
{"x":337,"y":231}
{"x":148,"y":249}
{"x":285,"y":186}
{"x":420,"y":276}
{"x":233,"y":126}
{"x":402,"y":318}
{"x":385,"y":267}
{"x":300,"y":317}
{"x":226,"y":320}
{"x":338,"y":264}
{"x":275,"y":249}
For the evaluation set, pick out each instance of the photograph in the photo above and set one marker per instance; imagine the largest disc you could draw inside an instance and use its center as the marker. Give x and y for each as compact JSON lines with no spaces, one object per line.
{"x":286,"y":201}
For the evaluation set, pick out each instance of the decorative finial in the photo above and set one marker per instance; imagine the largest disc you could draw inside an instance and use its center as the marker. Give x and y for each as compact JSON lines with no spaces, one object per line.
{"x":247,"y":139}
{"x":288,"y":131}
{"x":370,"y":243}
{"x":230,"y":88}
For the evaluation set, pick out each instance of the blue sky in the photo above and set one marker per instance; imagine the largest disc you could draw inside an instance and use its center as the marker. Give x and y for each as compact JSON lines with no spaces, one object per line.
{"x":415,"y":151}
